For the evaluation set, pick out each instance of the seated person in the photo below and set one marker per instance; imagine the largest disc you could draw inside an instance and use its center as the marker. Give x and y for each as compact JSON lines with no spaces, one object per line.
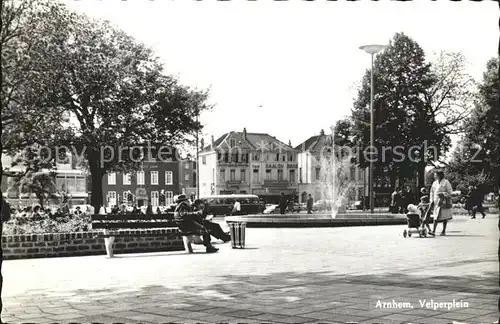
{"x":213,"y":228}
{"x":190,"y":222}
{"x":424,"y":207}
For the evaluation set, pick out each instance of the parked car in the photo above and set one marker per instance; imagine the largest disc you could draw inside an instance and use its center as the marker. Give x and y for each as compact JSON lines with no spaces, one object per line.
{"x":297,"y":208}
{"x":271,"y":209}
{"x":322,"y":205}
{"x":356,"y":205}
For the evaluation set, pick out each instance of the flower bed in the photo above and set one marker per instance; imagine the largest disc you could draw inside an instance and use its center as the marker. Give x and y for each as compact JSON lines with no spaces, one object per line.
{"x":33,"y":223}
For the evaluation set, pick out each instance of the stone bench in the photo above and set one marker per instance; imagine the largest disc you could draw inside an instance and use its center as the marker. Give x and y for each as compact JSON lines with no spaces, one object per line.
{"x":110,"y":223}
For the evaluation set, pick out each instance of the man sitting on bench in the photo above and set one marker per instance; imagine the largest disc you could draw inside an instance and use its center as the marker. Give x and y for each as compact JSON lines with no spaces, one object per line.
{"x":190,"y":222}
{"x":213,"y":228}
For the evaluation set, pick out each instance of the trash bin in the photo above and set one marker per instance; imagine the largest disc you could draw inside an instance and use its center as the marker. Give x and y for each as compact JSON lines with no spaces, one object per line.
{"x":237,"y":230}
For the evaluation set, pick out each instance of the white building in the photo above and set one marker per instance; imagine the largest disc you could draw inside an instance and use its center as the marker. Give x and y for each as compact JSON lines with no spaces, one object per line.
{"x":249,"y":163}
{"x":316,"y":171}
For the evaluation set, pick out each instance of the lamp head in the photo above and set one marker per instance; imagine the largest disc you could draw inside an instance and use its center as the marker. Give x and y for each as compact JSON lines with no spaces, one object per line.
{"x":372,"y":49}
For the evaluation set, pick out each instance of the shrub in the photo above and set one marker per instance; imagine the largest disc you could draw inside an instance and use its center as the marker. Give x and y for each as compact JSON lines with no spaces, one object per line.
{"x":34,"y":223}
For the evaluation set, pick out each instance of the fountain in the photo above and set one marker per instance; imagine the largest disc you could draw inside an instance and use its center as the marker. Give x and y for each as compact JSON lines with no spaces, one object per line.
{"x":334,"y":189}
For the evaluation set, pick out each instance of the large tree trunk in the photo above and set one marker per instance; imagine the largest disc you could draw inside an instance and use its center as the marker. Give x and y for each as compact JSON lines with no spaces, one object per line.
{"x":96,"y":174}
{"x":420,"y":175}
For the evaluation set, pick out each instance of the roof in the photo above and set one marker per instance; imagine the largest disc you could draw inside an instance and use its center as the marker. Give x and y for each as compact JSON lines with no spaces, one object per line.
{"x":316,"y":142}
{"x":252,"y":141}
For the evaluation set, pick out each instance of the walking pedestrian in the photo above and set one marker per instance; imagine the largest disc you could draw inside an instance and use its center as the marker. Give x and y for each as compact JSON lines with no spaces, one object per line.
{"x":441,"y":200}
{"x":477,"y":202}
{"x":282,"y":203}
{"x":310,"y":203}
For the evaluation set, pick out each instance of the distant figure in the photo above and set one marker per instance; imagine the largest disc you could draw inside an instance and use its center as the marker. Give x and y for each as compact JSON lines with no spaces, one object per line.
{"x":91,"y":210}
{"x":158,"y":210}
{"x":282,"y":203}
{"x":102,"y":210}
{"x":310,"y":203}
{"x":149,"y":209}
{"x":236,"y":207}
{"x":477,"y":202}
{"x":78,"y":211}
{"x":394,"y":206}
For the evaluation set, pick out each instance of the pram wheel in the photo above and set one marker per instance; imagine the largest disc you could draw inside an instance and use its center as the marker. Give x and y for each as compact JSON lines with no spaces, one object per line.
{"x":424,"y":232}
{"x":405,"y":233}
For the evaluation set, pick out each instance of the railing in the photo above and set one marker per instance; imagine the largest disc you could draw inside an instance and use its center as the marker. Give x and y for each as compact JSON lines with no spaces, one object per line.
{"x":276,"y":183}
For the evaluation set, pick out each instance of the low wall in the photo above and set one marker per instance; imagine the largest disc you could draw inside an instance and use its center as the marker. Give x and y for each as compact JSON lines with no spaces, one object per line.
{"x":24,"y":246}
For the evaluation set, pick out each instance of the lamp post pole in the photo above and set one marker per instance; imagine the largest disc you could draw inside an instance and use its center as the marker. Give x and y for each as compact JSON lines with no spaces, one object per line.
{"x":197,"y":160}
{"x":372,"y":50}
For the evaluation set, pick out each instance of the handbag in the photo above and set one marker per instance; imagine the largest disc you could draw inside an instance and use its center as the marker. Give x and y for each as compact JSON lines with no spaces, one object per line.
{"x":447,"y":202}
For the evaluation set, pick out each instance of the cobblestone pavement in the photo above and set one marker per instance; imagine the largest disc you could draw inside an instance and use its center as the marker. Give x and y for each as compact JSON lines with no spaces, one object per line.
{"x":289,"y":275}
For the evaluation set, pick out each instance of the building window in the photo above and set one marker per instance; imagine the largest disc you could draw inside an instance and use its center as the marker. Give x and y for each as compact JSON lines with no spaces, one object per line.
{"x":126,"y":179}
{"x":140,"y":177}
{"x":223,"y":175}
{"x":234,"y":157}
{"x":360,"y":193}
{"x":169,"y":178}
{"x":226,"y":157}
{"x":280,"y":175}
{"x":256,"y":157}
{"x":255,"y":177}
{"x":290,"y":157}
{"x":243,"y":175}
{"x":111,"y":178}
{"x":353,"y":173}
{"x":318,"y":174}
{"x":300,"y":175}
{"x":244,"y":157}
{"x":292,"y":176}
{"x":204,"y":159}
{"x":268,"y":174}
{"x":360,"y":174}
{"x":154,"y":177}
{"x":155,"y":199}
{"x":232,"y":142}
{"x":232,"y":175}
{"x":277,"y":157}
{"x":283,"y":157}
{"x":186,"y":177}
{"x":111,"y":198}
{"x":169,"y":197}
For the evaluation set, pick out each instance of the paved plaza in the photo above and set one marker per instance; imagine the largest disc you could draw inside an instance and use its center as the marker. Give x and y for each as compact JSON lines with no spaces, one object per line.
{"x":288,"y":275}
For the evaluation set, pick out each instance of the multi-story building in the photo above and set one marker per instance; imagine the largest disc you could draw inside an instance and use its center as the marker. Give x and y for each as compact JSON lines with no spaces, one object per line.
{"x":70,"y":181}
{"x":249,"y":163}
{"x":316,"y":173}
{"x":187,"y":177}
{"x":156,"y":182}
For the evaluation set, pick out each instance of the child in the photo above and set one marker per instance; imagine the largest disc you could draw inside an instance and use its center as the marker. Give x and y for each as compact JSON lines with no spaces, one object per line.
{"x":424,"y":208}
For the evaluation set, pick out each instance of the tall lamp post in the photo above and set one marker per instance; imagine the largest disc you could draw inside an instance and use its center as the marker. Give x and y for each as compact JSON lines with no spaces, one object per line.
{"x":197,"y":159}
{"x":372,"y":50}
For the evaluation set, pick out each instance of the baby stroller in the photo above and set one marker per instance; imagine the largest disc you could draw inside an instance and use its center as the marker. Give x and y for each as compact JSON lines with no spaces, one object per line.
{"x":415,"y":223}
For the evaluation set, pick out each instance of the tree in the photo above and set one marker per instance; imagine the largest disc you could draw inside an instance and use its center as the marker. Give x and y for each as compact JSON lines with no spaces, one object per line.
{"x":482,"y":129}
{"x":417,"y":105}
{"x":116,"y":94}
{"x":42,"y":184}
{"x":401,"y":76}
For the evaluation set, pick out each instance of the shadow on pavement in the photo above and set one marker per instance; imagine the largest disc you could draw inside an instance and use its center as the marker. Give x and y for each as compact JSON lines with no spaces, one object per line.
{"x":284,"y":297}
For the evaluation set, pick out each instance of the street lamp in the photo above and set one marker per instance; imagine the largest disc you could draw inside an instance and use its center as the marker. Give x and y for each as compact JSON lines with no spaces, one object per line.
{"x":372,"y":50}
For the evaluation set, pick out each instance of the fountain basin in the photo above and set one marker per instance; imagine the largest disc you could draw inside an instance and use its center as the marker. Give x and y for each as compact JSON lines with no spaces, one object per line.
{"x":319,"y":220}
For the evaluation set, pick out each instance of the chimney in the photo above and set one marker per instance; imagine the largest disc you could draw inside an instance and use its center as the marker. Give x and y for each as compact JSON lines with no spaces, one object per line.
{"x":245,"y":133}
{"x":322,"y":132}
{"x":290,"y":143}
{"x":213,"y":142}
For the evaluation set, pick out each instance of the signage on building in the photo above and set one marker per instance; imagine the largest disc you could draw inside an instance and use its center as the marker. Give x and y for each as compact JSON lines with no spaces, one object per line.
{"x":255,"y":166}
{"x":141,"y":193}
{"x":292,"y":165}
{"x":274,"y":165}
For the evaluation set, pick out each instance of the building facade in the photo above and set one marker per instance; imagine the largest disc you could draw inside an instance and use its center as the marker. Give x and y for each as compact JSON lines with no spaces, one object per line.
{"x":156,"y":182}
{"x":316,"y":172}
{"x":70,"y":181}
{"x":187,"y":178}
{"x":249,"y":163}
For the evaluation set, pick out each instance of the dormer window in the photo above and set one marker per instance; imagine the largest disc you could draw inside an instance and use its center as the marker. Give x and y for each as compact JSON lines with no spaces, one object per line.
{"x":232,"y":143}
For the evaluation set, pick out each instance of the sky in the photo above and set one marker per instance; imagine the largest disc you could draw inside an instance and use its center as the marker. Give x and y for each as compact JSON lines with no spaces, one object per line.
{"x":290,"y":68}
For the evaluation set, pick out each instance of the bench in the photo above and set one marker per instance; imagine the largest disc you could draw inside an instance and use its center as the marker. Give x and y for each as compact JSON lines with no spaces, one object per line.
{"x":110,"y":223}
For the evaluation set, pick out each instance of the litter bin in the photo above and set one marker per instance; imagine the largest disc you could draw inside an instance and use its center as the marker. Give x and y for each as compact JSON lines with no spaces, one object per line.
{"x":237,"y":230}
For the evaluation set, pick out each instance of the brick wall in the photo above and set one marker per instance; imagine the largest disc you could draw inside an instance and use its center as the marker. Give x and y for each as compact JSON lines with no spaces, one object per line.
{"x":24,"y":246}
